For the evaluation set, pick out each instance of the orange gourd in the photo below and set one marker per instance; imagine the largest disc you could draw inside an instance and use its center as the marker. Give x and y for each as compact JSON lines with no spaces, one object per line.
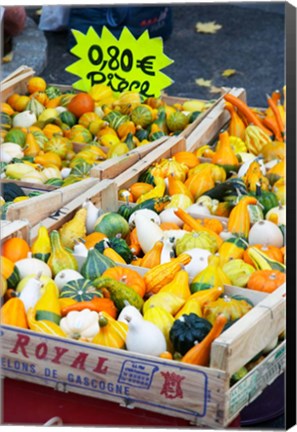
{"x":127,"y":276}
{"x":187,"y":158}
{"x":92,"y":239}
{"x":224,"y":154}
{"x":140,"y":188}
{"x":48,"y":159}
{"x":266,"y":280}
{"x":169,"y":226}
{"x":163,"y":274}
{"x":97,"y":304}
{"x":199,"y":354}
{"x":50,"y":130}
{"x":200,"y":182}
{"x":134,"y":244}
{"x":239,"y":219}
{"x":213,"y":224}
{"x":236,"y":125}
{"x":15,"y":249}
{"x":153,"y":257}
{"x":31,"y":148}
{"x":176,"y":186}
{"x":13,"y":313}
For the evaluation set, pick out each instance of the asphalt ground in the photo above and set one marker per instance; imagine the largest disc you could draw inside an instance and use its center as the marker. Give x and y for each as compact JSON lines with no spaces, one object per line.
{"x":251,"y":41}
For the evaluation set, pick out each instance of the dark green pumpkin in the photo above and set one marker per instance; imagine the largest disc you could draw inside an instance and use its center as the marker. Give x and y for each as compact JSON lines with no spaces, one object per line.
{"x":156,"y":135}
{"x":112,"y":224}
{"x":5,"y":121}
{"x":147,"y":177}
{"x":186,"y":330}
{"x":142,"y":134}
{"x":117,"y":244}
{"x":267,"y":199}
{"x":80,"y":290}
{"x":10,"y":191}
{"x":68,"y":118}
{"x":95,"y":264}
{"x":16,"y":136}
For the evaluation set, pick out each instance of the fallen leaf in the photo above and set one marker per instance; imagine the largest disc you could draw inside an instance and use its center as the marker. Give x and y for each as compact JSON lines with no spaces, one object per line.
{"x":8,"y":57}
{"x":208,"y":27}
{"x":203,"y":83}
{"x":214,"y":89}
{"x":228,"y":72}
{"x":38,"y":12}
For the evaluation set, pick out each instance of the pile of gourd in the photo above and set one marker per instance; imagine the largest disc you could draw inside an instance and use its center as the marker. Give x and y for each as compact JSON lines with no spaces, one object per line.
{"x":150,"y":277}
{"x":50,"y":137}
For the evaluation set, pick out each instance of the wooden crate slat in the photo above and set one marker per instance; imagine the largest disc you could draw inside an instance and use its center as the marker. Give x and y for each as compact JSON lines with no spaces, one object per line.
{"x":254,"y":331}
{"x":103,"y":194}
{"x":40,"y":207}
{"x":254,"y":383}
{"x":18,"y":228}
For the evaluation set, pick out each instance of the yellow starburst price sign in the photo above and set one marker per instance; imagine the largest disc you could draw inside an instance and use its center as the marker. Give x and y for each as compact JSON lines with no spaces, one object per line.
{"x":123,"y":64}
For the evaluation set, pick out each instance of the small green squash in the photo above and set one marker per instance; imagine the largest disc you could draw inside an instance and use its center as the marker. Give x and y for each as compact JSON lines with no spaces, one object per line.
{"x":68,"y":118}
{"x":117,"y":244}
{"x":80,"y":290}
{"x":186,"y":330}
{"x":95,"y":264}
{"x":112,"y":224}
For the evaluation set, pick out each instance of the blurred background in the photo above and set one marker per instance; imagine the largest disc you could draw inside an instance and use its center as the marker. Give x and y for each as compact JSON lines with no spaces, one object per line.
{"x":250,"y":42}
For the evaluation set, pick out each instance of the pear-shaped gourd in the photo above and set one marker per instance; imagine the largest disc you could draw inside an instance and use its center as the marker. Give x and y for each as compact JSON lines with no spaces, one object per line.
{"x":170,"y":302}
{"x":92,"y":216}
{"x":74,"y":229}
{"x":212,"y":276}
{"x":179,"y":285}
{"x":41,"y":247}
{"x":144,"y":337}
{"x":198,"y":262}
{"x":80,"y":253}
{"x":163,"y":320}
{"x":128,"y":311}
{"x":48,"y":306}
{"x":60,"y":258}
{"x":148,"y":232}
{"x":31,"y":292}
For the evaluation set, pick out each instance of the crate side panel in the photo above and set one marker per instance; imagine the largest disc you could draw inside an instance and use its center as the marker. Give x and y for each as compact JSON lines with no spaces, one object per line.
{"x":132,"y":380}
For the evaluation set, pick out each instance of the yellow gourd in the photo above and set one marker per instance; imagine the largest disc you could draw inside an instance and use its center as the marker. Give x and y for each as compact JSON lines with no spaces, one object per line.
{"x":179,"y":285}
{"x":157,"y":192}
{"x":239,"y":219}
{"x":112,"y":333}
{"x":236,"y":125}
{"x":224,"y":154}
{"x":41,"y":247}
{"x":153,"y":257}
{"x":60,"y":258}
{"x":211,"y":277}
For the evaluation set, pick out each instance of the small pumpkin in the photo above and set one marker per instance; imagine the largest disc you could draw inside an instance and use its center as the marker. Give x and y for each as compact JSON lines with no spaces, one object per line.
{"x":187,"y":330}
{"x":230,"y":307}
{"x":80,"y":290}
{"x":266,"y":280}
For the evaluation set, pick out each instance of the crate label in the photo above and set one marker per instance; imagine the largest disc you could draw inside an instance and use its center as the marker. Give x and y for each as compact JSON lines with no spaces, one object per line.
{"x":255,"y":382}
{"x":120,"y":63}
{"x":104,"y":373}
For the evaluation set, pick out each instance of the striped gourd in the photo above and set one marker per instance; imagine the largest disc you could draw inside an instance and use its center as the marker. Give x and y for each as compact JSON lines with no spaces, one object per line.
{"x":80,"y":290}
{"x":95,"y":264}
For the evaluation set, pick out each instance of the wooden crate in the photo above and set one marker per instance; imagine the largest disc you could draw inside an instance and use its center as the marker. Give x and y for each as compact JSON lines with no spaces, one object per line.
{"x":201,"y":395}
{"x":39,"y":207}
{"x":18,"y":228}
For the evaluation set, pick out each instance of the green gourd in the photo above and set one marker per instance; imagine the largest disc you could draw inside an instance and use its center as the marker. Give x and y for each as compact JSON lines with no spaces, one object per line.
{"x":119,"y":245}
{"x":80,"y":290}
{"x":60,"y":258}
{"x":95,"y":264}
{"x":186,"y":330}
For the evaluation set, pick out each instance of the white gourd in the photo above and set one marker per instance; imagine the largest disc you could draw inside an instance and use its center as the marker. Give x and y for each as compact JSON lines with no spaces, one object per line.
{"x":144,"y":337}
{"x":92,"y":216}
{"x":198,"y":262}
{"x":65,"y":172}
{"x":168,"y":250}
{"x":24,"y":119}
{"x":168,"y":215}
{"x":196,"y":210}
{"x":80,"y":253}
{"x":65,"y":276}
{"x":266,"y":233}
{"x":31,"y":292}
{"x":26,"y":265}
{"x":148,"y":232}
{"x":149,"y":214}
{"x":130,"y":311}
{"x":280,"y":212}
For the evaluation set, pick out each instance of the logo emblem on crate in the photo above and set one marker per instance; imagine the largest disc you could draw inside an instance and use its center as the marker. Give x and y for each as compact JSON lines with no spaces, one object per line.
{"x":137,"y":374}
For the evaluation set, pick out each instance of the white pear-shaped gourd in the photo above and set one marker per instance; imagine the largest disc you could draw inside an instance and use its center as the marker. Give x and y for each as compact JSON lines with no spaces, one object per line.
{"x":92,"y":216}
{"x":196,"y":210}
{"x":198,"y":262}
{"x":144,"y":337}
{"x":168,"y":250}
{"x":130,"y":311}
{"x":65,"y":276}
{"x":80,"y":253}
{"x":148,"y":232}
{"x":65,"y":172}
{"x":149,"y":214}
{"x":31,"y":292}
{"x":25,"y":267}
{"x":168,"y":215}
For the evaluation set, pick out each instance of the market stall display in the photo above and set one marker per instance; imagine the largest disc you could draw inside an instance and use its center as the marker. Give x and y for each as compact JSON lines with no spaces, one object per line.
{"x":162,"y":287}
